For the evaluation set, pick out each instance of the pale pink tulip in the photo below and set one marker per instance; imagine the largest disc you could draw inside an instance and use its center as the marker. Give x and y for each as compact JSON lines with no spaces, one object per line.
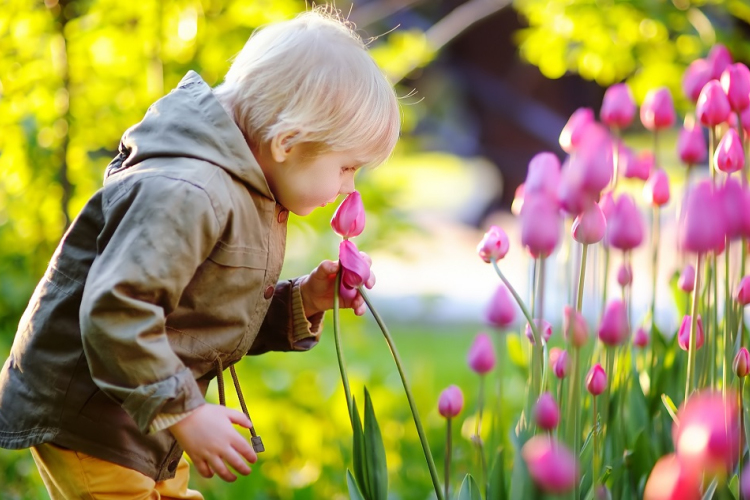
{"x":494,"y":243}
{"x":607,"y":204}
{"x":501,"y":311}
{"x":451,"y":401}
{"x":697,"y":74}
{"x":625,"y":226}
{"x":574,"y":325}
{"x":691,"y":145}
{"x":732,"y":197}
{"x":517,"y":205}
{"x":596,"y":380}
{"x":544,"y":328}
{"x":572,"y":133}
{"x":741,"y":363}
{"x":712,"y":107}
{"x":640,"y":338}
{"x":657,"y":110}
{"x":571,"y":195}
{"x":589,"y":227}
{"x":719,"y":59}
{"x":683,"y":334}
{"x":624,"y":274}
{"x":540,"y":225}
{"x":656,"y":189}
{"x":592,"y":161}
{"x":562,"y":365}
{"x":543,"y":176}
{"x":613,"y":329}
{"x":552,"y":466}
{"x":638,"y":166}
{"x":702,"y":227}
{"x":735,"y":80}
{"x":730,"y":155}
{"x":618,"y":106}
{"x":687,"y":279}
{"x":742,"y":295}
{"x":349,"y":219}
{"x":546,"y":412}
{"x":670,"y":481}
{"x":554,"y":353}
{"x":481,"y":354}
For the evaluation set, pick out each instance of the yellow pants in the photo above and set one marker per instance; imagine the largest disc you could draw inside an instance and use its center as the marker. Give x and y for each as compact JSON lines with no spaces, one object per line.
{"x":69,"y":475}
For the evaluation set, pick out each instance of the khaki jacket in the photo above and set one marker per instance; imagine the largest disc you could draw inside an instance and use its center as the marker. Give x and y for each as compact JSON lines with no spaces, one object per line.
{"x":169,"y":271}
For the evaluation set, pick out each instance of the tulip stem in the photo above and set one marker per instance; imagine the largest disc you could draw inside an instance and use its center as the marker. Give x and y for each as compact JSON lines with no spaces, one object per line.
{"x":741,"y":397}
{"x":606,"y":279}
{"x":727,"y":323}
{"x":689,"y":382}
{"x":339,"y":349}
{"x":581,"y":278}
{"x":478,"y":434}
{"x":412,"y":405}
{"x":654,"y":262}
{"x":448,"y":454}
{"x":616,"y":176}
{"x":595,"y":478}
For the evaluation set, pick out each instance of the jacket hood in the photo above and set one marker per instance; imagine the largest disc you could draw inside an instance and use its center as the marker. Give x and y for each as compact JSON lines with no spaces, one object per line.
{"x":189,"y":122}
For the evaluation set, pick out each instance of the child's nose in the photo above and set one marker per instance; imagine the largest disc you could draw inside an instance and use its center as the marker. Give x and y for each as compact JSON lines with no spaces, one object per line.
{"x":347,"y":187}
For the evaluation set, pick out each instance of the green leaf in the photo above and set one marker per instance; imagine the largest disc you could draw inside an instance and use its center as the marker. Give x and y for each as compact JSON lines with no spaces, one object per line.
{"x":669,"y":405}
{"x":469,"y":489}
{"x":641,"y":459}
{"x":375,"y":453}
{"x":709,"y":494}
{"x":734,"y":486}
{"x":497,"y":478}
{"x":354,"y":491}
{"x":360,"y":459}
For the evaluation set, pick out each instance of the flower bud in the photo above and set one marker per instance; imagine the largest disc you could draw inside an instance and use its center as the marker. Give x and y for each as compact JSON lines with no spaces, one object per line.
{"x":687,"y":279}
{"x":349,"y":219}
{"x":540,"y":225}
{"x":618,"y":106}
{"x":572,"y":132}
{"x":640,"y":338}
{"x":451,"y":401}
{"x":494,"y":243}
{"x":625,"y":226}
{"x":552,"y":466}
{"x":712,"y":107}
{"x":596,"y":380}
{"x":638,"y":166}
{"x":482,"y":354}
{"x":546,"y":412}
{"x":562,"y":365}
{"x":501,"y":311}
{"x":683,"y":335}
{"x":691,"y":145}
{"x":589,"y":226}
{"x":624,"y":275}
{"x":355,"y":268}
{"x":743,"y":291}
{"x":614,"y":326}
{"x":718,"y":59}
{"x":657,"y":111}
{"x":656,"y":189}
{"x":741,"y":363}
{"x":730,"y":155}
{"x":702,"y":227}
{"x":543,"y":175}
{"x":696,"y":76}
{"x":735,"y":81}
{"x":574,"y":325}
{"x":545,"y":330}
{"x":554,"y":353}
{"x":671,"y":481}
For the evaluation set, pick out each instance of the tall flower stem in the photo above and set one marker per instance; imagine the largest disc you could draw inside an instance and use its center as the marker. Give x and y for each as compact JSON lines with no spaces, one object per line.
{"x":595,"y":478}
{"x":728,"y":327}
{"x":741,"y":397}
{"x":498,"y":427}
{"x":339,"y":350}
{"x":448,"y":455}
{"x":616,"y":154}
{"x":690,"y":378}
{"x":412,"y":405}
{"x":478,"y":434}
{"x":606,"y":279}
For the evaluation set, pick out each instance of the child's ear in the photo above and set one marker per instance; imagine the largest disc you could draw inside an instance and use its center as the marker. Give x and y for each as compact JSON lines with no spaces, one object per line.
{"x":280,"y":145}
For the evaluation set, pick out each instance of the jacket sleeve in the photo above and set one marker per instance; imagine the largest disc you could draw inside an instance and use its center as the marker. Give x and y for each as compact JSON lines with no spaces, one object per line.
{"x":286,"y":327}
{"x":156,"y":234}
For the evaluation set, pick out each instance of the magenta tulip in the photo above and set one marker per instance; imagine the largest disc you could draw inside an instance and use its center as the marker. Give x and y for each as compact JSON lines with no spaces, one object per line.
{"x":683,"y":334}
{"x":712,"y":107}
{"x":543,"y":175}
{"x":572,"y":133}
{"x":638,"y":166}
{"x":730,"y":155}
{"x":596,"y":380}
{"x":687,"y":279}
{"x":719,"y":59}
{"x":732,"y":197}
{"x":618,"y":106}
{"x":625,"y":226}
{"x":355,"y":268}
{"x":571,"y":195}
{"x":624,"y":274}
{"x":735,"y":80}
{"x":501,"y":311}
{"x":640,"y":338}
{"x":552,"y":466}
{"x":494,"y":243}
{"x":613,"y":329}
{"x":482,"y":354}
{"x":742,"y":295}
{"x":546,"y":412}
{"x":741,"y":363}
{"x":349,"y":219}
{"x":544,"y":328}
{"x":656,"y":189}
{"x":657,"y":111}
{"x":451,"y":401}
{"x":696,"y":76}
{"x":691,"y":145}
{"x":540,"y":225}
{"x":589,"y":227}
{"x":745,"y":120}
{"x":669,"y":480}
{"x":562,"y":365}
{"x":574,"y":325}
{"x":702,"y":227}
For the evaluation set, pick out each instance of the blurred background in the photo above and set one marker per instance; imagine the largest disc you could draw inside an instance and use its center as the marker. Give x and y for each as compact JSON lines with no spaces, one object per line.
{"x":484,"y":86}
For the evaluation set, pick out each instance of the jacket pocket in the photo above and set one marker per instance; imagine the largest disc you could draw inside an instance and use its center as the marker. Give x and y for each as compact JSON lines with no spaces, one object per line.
{"x":239,"y":256}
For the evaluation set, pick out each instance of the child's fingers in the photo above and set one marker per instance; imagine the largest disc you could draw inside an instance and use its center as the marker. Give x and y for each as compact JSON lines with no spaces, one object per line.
{"x":219,"y":467}
{"x":203,"y":468}
{"x":243,"y":448}
{"x":239,"y":418}
{"x":236,"y":462}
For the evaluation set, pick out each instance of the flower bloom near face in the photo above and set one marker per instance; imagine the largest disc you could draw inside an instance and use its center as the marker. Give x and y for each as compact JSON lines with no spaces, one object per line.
{"x":546,"y":412}
{"x":613,"y":329}
{"x":691,"y":145}
{"x":657,"y":111}
{"x":494,"y":243}
{"x":544,"y":328}
{"x":481,"y":354}
{"x":596,"y":380}
{"x":451,"y":401}
{"x":618,"y":106}
{"x":355,"y":269}
{"x":670,"y":481}
{"x":741,"y":363}
{"x":349,"y":219}
{"x":712,"y":107}
{"x":683,"y":335}
{"x":552,"y":466}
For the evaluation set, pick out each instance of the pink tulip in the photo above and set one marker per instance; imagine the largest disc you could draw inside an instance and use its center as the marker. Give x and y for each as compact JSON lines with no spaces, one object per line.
{"x":349,"y":219}
{"x":656,"y":189}
{"x":712,"y":107}
{"x":501,"y":311}
{"x":624,"y":275}
{"x":554,"y":353}
{"x":743,"y":291}
{"x":638,"y":166}
{"x":593,"y":160}
{"x":670,"y":481}
{"x":745,"y":120}
{"x":730,"y":155}
{"x":546,"y":412}
{"x":482,"y":354}
{"x":691,"y":145}
{"x":552,"y":466}
{"x":562,"y":365}
{"x":544,"y":328}
{"x":745,"y":483}
{"x":696,"y":76}
{"x":572,"y":133}
{"x":571,"y":195}
{"x":683,"y":334}
{"x":574,"y":325}
{"x":702,"y":227}
{"x":607,"y":204}
{"x":451,"y":401}
{"x":640,"y":338}
{"x":517,"y":205}
{"x":732,"y":197}
{"x":540,"y":225}
{"x":719,"y":59}
{"x":355,"y":268}
{"x":657,"y":111}
{"x":590,"y":225}
{"x":707,"y":437}
{"x":596,"y":380}
{"x":625,"y":226}
{"x":618,"y":107}
{"x":735,"y":80}
{"x":741,"y":363}
{"x":613,"y":329}
{"x":543,"y":175}
{"x":687,"y":279}
{"x":494,"y":243}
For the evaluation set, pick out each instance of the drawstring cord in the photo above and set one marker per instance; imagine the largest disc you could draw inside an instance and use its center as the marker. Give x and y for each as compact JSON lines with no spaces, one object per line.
{"x":255,"y":440}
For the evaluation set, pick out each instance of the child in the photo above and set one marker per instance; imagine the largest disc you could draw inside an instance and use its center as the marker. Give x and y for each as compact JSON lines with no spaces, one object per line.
{"x":169,"y":273}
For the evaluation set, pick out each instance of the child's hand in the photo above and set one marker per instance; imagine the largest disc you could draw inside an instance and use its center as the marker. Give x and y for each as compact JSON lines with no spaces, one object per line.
{"x":209,"y":437}
{"x":317,"y":289}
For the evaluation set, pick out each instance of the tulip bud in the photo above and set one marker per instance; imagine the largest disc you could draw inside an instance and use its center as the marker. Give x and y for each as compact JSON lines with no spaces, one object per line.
{"x":355,"y":268}
{"x":545,"y":330}
{"x":546,"y":412}
{"x":543,"y":175}
{"x":719,"y":59}
{"x":501,"y":311}
{"x":624,"y":275}
{"x":730,"y":155}
{"x":743,"y":291}
{"x":712,"y":107}
{"x":625,"y":226}
{"x":494,"y":244}
{"x":741,"y":364}
{"x":657,"y":111}
{"x":574,"y":325}
{"x":349,"y":219}
{"x":562,"y":365}
{"x":687,"y":279}
{"x":552,"y":466}
{"x":735,"y":80}
{"x":571,"y":195}
{"x":691,"y":145}
{"x":640,"y":338}
{"x":745,"y":120}
{"x":638,"y":166}
{"x":482,"y":354}
{"x":731,"y":196}
{"x":596,"y":380}
{"x":593,"y":161}
{"x":683,"y":335}
{"x":451,"y":401}
{"x":702,"y":227}
{"x":656,"y":189}
{"x":554,"y":353}
{"x":696,"y":76}
{"x":572,"y":133}
{"x":618,"y":106}
{"x":515,"y":207}
{"x":540,"y":225}
{"x":614,"y":326}
{"x":671,"y":481}
{"x":590,"y":225}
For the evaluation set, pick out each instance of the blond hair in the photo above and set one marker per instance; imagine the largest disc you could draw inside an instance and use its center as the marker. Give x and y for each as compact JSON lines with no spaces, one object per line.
{"x":313,"y":77}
